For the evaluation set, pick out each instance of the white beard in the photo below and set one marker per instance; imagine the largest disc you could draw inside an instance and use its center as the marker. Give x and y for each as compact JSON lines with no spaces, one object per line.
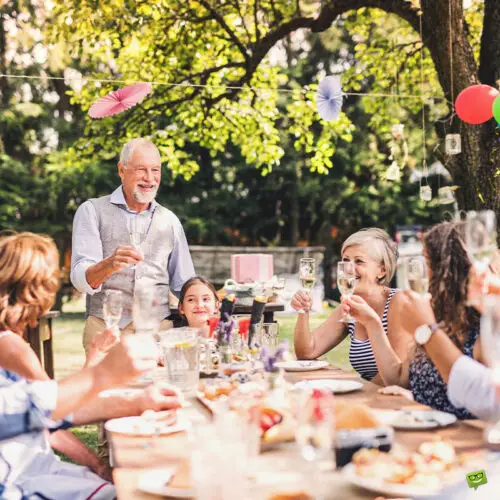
{"x":144,"y":197}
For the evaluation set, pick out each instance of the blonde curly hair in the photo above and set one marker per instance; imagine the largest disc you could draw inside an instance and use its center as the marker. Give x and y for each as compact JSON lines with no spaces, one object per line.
{"x":29,"y":279}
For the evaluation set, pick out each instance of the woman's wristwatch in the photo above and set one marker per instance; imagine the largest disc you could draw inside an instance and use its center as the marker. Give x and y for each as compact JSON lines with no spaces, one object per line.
{"x":424,"y":332}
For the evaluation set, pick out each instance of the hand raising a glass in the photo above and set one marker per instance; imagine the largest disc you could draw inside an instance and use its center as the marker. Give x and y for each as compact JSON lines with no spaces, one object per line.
{"x":346,"y":281}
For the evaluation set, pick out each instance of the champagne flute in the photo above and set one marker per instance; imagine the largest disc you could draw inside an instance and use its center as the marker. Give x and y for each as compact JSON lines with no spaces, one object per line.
{"x":307,"y":276}
{"x":346,"y":281}
{"x":138,"y":232}
{"x":417,"y":274}
{"x":481,"y":237}
{"x":481,"y":240}
{"x":112,"y":308}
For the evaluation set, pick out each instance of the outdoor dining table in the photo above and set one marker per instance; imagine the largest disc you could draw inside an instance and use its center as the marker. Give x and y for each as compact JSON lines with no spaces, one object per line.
{"x":131,"y":458}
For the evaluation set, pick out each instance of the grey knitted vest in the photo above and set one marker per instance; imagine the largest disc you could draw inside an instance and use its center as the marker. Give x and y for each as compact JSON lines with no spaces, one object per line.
{"x":151,"y":271}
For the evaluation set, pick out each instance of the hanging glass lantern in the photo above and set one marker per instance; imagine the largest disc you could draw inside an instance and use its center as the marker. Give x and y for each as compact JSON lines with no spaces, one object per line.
{"x":453,"y":144}
{"x":425,"y":193}
{"x":446,"y":195}
{"x":397,"y":130}
{"x":393,"y":172}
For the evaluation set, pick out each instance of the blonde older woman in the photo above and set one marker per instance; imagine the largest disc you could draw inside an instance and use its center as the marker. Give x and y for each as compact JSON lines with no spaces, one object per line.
{"x":379,"y":346}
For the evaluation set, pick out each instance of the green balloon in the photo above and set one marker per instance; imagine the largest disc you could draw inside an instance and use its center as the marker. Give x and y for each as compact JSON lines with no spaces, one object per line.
{"x":496,"y":109}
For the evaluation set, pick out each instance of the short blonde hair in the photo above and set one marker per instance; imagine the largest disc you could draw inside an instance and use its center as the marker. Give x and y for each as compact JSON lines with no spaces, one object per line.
{"x":29,"y":279}
{"x":381,"y":247}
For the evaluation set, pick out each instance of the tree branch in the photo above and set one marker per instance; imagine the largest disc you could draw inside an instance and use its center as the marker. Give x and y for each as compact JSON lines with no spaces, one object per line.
{"x":226,"y":28}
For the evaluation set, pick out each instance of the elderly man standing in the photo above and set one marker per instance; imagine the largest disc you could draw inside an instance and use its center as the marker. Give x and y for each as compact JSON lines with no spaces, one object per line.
{"x":102,"y":255}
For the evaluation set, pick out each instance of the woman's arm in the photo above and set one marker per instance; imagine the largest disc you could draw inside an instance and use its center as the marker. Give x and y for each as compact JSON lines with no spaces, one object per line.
{"x":391,"y":350}
{"x":310,"y":345}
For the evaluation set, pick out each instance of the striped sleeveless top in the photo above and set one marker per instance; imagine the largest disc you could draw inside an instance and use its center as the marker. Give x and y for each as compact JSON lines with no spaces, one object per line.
{"x":360,"y":352}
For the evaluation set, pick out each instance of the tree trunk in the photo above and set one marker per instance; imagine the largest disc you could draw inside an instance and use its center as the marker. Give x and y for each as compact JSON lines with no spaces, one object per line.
{"x":473,"y":170}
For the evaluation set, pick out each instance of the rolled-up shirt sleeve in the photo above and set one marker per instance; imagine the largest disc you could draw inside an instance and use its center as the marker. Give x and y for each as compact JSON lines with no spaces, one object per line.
{"x":86,"y":247}
{"x":27,"y":407}
{"x":470,"y":386}
{"x":180,"y":264}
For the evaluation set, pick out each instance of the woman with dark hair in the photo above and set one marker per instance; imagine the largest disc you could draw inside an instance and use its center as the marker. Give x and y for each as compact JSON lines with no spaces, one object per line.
{"x":198,"y":301}
{"x":449,"y":267}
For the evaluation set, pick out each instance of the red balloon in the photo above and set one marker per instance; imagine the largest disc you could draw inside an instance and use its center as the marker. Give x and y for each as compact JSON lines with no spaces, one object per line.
{"x":474,"y":104}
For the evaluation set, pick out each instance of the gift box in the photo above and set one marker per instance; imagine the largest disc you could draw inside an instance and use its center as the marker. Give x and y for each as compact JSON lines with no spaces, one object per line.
{"x":250,"y":267}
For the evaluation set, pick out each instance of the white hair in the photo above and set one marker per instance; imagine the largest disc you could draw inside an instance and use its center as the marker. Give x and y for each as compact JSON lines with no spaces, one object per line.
{"x":381,"y":247}
{"x":129,"y":148}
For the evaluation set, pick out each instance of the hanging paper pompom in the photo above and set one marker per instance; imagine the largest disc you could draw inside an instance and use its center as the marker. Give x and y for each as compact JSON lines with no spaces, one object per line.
{"x":119,"y":100}
{"x":474,"y":104}
{"x":329,"y":98}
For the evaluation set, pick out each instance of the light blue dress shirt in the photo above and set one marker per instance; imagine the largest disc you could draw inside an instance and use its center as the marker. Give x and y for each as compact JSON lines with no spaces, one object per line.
{"x":87,"y":246}
{"x":469,"y":386}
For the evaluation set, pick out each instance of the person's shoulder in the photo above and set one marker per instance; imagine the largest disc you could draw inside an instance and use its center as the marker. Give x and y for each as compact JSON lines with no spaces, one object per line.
{"x":398,"y":302}
{"x":168,"y":213}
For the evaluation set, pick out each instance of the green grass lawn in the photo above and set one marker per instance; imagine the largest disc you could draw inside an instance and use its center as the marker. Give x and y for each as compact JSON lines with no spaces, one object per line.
{"x":69,"y":355}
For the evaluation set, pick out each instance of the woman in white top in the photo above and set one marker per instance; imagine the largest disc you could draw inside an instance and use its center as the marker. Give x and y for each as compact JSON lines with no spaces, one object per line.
{"x":378,"y":343}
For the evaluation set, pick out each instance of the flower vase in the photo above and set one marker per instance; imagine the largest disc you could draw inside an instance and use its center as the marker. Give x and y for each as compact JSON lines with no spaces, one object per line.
{"x":225,"y":353}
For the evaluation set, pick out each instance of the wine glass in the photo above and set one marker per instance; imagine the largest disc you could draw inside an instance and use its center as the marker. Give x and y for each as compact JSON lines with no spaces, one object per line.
{"x":417,"y":274}
{"x":307,"y":275}
{"x":112,"y":308}
{"x":138,"y":232}
{"x":481,"y":237}
{"x":315,"y":429}
{"x":346,"y":281}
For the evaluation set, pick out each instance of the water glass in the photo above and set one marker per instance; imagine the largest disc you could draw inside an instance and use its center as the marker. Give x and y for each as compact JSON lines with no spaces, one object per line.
{"x":315,"y":431}
{"x":180,"y":348}
{"x":219,"y":458}
{"x":269,"y":335}
{"x":146,"y":311}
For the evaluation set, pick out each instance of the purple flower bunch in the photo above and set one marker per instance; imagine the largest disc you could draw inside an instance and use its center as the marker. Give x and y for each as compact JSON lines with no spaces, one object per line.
{"x":269,"y":359}
{"x":225,"y":330}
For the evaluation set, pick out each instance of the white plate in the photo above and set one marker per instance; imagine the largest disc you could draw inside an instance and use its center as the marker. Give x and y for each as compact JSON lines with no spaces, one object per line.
{"x":335,"y":385}
{"x":302,"y":365}
{"x":130,"y":426}
{"x":156,"y":482}
{"x":424,"y":419}
{"x":382,"y":487}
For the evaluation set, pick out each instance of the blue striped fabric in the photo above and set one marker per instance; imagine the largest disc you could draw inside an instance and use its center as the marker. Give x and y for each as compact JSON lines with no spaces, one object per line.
{"x":361,"y":353}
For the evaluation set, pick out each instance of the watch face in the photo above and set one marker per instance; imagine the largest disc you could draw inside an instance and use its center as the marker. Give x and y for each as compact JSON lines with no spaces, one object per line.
{"x":422,"y":334}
